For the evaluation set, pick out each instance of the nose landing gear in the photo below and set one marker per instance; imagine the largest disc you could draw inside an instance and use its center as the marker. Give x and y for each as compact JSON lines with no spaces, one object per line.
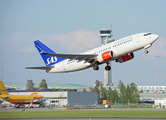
{"x":146,"y":47}
{"x":146,"y":51}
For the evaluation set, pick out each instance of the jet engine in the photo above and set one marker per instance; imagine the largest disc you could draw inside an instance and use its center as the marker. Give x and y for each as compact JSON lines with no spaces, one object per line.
{"x":105,"y":56}
{"x":125,"y":58}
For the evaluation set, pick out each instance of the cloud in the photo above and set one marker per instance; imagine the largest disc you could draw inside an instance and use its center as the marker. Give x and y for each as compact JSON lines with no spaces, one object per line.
{"x":158,"y":48}
{"x":75,"y":41}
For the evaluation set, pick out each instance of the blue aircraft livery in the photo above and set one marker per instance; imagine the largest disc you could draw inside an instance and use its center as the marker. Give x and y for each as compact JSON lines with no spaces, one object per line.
{"x":49,"y":60}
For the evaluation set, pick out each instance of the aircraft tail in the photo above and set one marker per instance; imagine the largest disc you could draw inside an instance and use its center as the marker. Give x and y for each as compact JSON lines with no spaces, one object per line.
{"x":48,"y":60}
{"x":3,"y":89}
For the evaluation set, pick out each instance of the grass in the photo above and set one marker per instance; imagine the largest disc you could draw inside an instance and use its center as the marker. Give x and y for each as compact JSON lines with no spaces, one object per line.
{"x":85,"y":114}
{"x":131,"y":106}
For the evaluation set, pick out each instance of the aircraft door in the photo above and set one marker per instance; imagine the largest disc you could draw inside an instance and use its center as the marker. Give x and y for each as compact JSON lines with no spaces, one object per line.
{"x":137,"y":38}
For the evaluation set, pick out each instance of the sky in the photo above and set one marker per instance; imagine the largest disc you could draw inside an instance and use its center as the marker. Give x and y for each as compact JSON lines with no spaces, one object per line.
{"x":73,"y":27}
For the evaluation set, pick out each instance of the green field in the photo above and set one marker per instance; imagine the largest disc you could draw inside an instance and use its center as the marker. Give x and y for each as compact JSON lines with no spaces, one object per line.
{"x":84,"y":113}
{"x":131,"y":106}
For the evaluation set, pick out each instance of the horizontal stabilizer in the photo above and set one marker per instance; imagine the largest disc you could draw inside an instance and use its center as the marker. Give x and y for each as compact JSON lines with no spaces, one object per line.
{"x":7,"y":96}
{"x":41,"y":68}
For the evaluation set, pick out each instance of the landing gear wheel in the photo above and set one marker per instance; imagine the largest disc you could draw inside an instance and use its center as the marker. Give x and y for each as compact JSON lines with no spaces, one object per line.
{"x":17,"y":106}
{"x":146,"y":52}
{"x":95,"y":67}
{"x":107,"y":68}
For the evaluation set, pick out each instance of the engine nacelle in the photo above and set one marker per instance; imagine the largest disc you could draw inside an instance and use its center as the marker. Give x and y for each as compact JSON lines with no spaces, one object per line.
{"x":125,"y":58}
{"x":105,"y":56}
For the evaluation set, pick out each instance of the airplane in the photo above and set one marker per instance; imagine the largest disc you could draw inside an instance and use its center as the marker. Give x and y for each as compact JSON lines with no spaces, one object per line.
{"x":120,"y":50}
{"x":20,"y":100}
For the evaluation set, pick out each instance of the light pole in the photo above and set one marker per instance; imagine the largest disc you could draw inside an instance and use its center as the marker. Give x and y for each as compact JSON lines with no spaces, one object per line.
{"x":158,"y":74}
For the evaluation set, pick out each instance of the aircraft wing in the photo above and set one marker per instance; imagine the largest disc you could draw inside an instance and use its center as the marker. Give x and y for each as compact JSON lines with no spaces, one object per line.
{"x":80,"y":57}
{"x":40,"y":68}
{"x":38,"y":100}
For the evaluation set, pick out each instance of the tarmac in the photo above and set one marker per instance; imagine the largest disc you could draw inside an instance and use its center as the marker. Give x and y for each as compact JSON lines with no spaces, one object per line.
{"x":63,"y":108}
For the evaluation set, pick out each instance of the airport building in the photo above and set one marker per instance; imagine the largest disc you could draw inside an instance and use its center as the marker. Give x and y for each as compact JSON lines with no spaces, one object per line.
{"x":151,"y":97}
{"x":66,"y":98}
{"x":152,"y":89}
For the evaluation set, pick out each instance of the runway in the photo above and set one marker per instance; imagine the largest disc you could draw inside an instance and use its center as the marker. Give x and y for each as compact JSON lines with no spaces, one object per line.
{"x":62,"y":108}
{"x":30,"y":109}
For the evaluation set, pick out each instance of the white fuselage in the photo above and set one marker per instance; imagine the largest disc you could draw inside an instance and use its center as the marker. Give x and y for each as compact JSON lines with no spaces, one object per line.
{"x":119,"y":47}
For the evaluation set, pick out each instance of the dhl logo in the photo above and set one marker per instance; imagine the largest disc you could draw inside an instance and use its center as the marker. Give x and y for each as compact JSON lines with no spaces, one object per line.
{"x":36,"y":98}
{"x":3,"y":90}
{"x":35,"y":93}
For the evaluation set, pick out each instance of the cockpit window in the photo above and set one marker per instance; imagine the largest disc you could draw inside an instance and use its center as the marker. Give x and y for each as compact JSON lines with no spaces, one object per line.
{"x":147,"y":34}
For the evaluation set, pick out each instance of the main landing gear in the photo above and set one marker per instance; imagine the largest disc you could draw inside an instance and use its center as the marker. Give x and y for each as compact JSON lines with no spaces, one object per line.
{"x":107,"y":67}
{"x":96,"y":67}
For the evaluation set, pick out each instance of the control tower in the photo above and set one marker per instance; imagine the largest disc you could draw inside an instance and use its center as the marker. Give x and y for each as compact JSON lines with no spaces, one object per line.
{"x":106,"y":37}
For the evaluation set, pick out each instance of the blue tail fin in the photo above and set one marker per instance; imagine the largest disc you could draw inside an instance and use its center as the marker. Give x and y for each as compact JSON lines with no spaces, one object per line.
{"x":49,"y":60}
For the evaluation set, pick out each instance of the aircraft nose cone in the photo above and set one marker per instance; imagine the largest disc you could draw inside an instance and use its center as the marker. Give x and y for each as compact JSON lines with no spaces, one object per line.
{"x":156,"y":37}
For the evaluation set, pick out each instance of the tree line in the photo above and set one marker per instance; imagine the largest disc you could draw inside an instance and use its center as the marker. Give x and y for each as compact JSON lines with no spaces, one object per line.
{"x":126,"y":94}
{"x":42,"y":85}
